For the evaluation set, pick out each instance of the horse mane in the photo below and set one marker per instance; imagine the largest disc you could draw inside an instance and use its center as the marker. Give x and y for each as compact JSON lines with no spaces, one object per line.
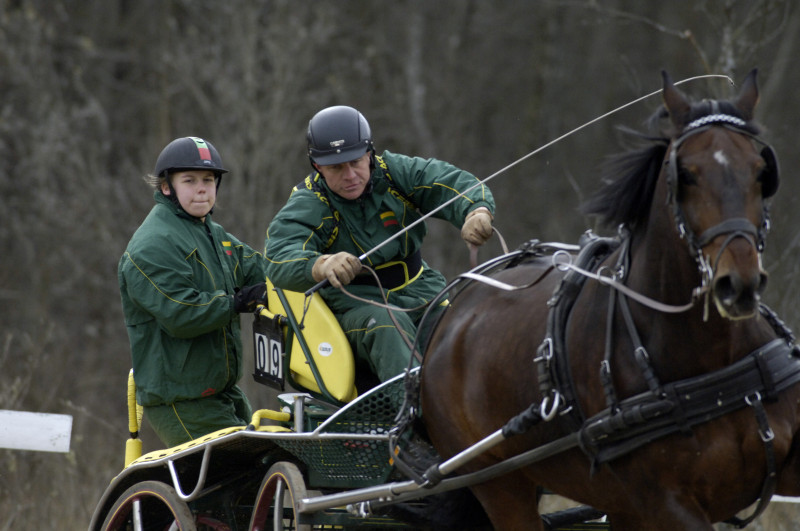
{"x":629,"y":180}
{"x":629,"y":177}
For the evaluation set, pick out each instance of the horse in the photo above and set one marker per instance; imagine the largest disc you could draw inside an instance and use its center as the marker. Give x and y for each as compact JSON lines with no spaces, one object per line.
{"x":672,"y":311}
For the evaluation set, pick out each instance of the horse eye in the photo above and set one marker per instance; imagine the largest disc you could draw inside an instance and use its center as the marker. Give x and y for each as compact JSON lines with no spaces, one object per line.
{"x":686,"y":176}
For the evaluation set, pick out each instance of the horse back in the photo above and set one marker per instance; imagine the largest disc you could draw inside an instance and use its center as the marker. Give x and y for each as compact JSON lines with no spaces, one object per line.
{"x":480,"y":358}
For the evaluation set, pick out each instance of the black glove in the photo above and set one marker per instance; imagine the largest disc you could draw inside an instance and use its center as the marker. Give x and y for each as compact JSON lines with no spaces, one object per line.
{"x":246,"y":299}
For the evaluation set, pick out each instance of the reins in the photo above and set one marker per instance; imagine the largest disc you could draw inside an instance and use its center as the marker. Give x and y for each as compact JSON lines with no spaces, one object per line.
{"x":613,"y":282}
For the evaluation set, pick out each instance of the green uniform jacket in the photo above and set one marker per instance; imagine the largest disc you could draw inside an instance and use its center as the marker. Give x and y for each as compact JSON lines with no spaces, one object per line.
{"x":176,"y":279}
{"x":306,"y":226}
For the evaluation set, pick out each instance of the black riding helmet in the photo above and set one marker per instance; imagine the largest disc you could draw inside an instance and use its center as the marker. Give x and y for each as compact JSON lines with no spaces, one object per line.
{"x":338,"y":134}
{"x":189,"y":153}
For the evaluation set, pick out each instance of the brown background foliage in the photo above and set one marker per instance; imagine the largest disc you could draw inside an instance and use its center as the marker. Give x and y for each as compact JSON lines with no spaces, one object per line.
{"x":91,"y":91}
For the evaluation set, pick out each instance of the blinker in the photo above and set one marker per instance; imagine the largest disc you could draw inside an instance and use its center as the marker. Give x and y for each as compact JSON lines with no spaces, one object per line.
{"x":770,"y":174}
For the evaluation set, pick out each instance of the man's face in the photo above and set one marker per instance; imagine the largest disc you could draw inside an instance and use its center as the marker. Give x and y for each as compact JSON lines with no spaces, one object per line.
{"x":196,"y":191}
{"x":348,"y":179}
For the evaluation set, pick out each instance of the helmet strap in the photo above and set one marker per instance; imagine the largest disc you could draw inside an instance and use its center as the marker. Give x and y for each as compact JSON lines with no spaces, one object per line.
{"x":173,"y":195}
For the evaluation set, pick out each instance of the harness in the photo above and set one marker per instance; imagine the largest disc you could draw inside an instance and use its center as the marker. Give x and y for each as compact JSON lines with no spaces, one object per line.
{"x":678,"y":406}
{"x":663,"y":409}
{"x":392,"y":275}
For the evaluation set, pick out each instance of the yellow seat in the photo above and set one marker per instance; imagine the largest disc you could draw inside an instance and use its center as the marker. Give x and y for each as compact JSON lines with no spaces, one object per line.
{"x":133,"y":446}
{"x":327,"y":345}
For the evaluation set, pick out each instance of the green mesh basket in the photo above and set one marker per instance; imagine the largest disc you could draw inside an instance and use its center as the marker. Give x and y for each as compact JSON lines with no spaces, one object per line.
{"x":336,"y":460}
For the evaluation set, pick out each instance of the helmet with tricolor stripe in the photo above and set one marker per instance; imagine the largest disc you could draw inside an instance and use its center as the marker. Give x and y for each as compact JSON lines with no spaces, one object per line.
{"x":189,"y":153}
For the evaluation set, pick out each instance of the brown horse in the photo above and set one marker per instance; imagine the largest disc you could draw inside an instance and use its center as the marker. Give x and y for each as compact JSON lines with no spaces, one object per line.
{"x":694,"y":215}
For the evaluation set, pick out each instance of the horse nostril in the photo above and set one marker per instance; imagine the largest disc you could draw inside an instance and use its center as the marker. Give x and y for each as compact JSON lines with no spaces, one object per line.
{"x":726,"y":289}
{"x":737,"y":298}
{"x":763,"y":277}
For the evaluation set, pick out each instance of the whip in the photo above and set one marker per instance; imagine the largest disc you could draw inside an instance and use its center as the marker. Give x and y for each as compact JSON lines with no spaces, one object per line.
{"x":322,"y":283}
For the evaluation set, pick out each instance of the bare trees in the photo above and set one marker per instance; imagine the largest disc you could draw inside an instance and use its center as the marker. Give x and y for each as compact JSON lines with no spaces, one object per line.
{"x":91,"y":91}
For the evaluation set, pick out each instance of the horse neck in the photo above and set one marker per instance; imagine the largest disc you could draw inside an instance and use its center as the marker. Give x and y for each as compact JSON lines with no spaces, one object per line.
{"x":661,"y":264}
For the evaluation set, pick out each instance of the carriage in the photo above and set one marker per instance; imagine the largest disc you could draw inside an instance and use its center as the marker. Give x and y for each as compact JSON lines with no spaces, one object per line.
{"x":640,"y":375}
{"x":321,"y":461}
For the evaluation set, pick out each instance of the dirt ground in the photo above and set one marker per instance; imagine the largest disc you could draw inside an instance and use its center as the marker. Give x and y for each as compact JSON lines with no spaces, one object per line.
{"x":779,"y":516}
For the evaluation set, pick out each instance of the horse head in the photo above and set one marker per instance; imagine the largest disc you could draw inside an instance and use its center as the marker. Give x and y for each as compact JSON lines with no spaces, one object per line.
{"x":719,"y":176}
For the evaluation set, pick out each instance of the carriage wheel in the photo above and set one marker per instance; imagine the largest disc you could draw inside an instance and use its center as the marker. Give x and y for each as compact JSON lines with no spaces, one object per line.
{"x":276,"y":503}
{"x":150,"y":505}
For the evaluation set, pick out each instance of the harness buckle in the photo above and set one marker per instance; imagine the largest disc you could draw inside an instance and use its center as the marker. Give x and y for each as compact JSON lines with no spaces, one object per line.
{"x":545,"y":352}
{"x":750,"y":400}
{"x":764,"y":429}
{"x":706,"y":271}
{"x":605,"y":368}
{"x":682,"y":232}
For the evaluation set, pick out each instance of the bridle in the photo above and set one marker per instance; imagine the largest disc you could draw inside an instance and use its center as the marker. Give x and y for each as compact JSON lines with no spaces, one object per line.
{"x":734,"y":227}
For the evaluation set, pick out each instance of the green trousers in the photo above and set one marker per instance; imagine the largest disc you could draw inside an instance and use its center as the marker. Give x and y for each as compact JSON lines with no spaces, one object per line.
{"x":377,"y":341}
{"x":186,"y":420}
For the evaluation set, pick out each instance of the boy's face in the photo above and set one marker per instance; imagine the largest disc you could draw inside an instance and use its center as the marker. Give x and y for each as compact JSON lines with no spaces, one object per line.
{"x":196,"y":191}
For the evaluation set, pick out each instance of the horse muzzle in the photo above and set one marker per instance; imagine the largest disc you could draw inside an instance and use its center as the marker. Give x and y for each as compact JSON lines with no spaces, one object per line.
{"x":737,"y":297}
{"x":737,"y":277}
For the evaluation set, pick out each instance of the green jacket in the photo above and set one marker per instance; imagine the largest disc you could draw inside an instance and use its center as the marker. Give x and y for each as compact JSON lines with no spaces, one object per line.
{"x":177,"y":279}
{"x":401,"y":190}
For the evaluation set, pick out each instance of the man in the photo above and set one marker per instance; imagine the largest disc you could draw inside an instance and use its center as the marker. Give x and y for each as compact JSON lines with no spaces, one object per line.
{"x":184,"y":281}
{"x":353,"y":201}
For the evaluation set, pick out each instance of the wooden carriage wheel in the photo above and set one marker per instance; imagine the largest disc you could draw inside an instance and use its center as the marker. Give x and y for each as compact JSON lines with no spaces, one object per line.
{"x":149,"y":505}
{"x":276,"y":502}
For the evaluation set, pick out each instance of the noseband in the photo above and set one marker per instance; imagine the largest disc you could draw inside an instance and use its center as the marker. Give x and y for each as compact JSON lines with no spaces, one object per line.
{"x":733,"y":227}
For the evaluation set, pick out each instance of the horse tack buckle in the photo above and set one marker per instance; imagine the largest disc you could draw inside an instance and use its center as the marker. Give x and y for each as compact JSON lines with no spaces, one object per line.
{"x":545,"y":352}
{"x":764,"y":429}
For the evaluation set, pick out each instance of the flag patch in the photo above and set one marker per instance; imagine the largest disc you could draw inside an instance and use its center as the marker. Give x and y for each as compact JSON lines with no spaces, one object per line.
{"x":389,"y":218}
{"x":228,"y":248}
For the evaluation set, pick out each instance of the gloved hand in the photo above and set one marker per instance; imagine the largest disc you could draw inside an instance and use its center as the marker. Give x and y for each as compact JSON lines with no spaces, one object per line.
{"x":247,"y":298}
{"x":340,"y":268}
{"x":477,"y":226}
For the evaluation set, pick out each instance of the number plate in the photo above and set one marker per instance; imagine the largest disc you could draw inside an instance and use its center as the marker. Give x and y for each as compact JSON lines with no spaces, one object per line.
{"x":268,"y":346}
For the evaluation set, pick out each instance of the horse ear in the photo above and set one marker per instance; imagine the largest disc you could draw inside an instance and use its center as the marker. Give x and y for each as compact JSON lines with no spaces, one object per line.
{"x":676,"y":103}
{"x":748,"y":96}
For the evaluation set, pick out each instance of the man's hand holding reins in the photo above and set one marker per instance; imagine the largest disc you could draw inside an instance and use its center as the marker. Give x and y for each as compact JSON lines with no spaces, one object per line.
{"x":340,"y":268}
{"x":477,"y":226}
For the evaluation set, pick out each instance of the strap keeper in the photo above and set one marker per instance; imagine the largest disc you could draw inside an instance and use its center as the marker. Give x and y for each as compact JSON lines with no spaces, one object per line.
{"x":770,"y":393}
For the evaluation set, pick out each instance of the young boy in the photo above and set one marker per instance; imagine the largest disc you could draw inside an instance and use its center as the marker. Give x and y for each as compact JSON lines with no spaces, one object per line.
{"x":183,"y":281}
